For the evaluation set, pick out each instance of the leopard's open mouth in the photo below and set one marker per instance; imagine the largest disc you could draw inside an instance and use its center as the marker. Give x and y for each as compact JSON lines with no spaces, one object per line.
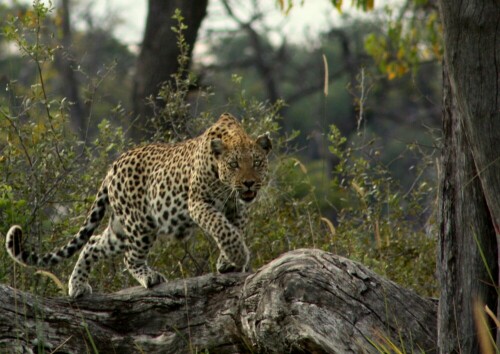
{"x":248,"y":195}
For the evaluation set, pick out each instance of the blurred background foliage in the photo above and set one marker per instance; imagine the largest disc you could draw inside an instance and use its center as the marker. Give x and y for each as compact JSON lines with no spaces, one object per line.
{"x":352,"y":171}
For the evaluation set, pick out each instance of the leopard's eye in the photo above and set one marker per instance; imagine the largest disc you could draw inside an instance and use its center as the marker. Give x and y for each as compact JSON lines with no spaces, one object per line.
{"x":233,"y":164}
{"x":257,"y":163}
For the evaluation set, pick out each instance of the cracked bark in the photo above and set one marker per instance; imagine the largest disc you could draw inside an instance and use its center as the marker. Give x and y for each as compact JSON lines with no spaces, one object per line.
{"x":305,"y":301}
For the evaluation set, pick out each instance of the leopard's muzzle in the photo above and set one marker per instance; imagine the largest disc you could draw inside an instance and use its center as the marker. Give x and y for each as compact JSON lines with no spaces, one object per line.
{"x":248,"y":191}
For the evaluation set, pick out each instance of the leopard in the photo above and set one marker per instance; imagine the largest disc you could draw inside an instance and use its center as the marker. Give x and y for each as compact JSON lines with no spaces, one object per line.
{"x":166,"y":189}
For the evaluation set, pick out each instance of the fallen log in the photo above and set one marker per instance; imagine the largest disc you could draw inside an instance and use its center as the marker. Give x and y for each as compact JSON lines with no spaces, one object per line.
{"x":306,"y":301}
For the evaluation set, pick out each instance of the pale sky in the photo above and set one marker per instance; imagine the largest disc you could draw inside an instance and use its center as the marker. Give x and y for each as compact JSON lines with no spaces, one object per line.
{"x":306,"y":19}
{"x":312,"y":15}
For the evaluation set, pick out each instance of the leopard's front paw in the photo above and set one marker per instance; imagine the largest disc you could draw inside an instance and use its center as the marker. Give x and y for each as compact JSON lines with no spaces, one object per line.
{"x":225,"y":266}
{"x":153,"y":279}
{"x":78,"y":289}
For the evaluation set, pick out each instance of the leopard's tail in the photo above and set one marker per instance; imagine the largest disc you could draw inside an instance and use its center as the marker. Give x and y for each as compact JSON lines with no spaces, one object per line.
{"x":14,"y":237}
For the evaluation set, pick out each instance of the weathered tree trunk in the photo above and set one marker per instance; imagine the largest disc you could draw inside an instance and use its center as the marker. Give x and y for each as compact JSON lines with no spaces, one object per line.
{"x":305,"y":301}
{"x":158,"y":58}
{"x":465,"y":230}
{"x":470,"y":207}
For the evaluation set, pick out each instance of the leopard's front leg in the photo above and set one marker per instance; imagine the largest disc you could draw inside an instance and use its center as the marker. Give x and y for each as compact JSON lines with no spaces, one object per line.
{"x":237,"y":215}
{"x":234,"y":252}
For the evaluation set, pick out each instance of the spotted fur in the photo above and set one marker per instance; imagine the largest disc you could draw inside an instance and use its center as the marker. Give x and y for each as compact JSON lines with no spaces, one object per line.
{"x":157,"y":189}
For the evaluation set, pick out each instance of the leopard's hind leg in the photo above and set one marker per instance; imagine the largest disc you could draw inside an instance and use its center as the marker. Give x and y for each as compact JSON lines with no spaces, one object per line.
{"x":110,"y":243}
{"x":139,"y":243}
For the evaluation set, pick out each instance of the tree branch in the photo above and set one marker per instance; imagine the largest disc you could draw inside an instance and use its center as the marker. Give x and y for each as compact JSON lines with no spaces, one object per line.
{"x":263,"y":66}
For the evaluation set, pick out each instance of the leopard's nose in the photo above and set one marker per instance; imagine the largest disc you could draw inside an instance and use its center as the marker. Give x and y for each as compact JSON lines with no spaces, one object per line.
{"x":248,"y":183}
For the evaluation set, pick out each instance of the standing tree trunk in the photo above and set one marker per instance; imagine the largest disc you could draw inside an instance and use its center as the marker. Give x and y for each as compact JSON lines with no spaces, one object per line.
{"x":158,"y":58}
{"x":306,"y":301}
{"x":470,"y":206}
{"x":64,"y":61}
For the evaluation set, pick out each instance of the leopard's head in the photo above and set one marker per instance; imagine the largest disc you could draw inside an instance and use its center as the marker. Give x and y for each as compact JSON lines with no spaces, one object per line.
{"x":242,"y":164}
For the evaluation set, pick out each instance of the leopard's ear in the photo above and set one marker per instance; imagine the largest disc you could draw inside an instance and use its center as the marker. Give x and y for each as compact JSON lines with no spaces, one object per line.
{"x":217,"y":147}
{"x":264,"y":141}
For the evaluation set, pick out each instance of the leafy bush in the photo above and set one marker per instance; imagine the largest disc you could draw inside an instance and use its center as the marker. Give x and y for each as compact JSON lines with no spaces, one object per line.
{"x":47,"y":177}
{"x":381,"y":225}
